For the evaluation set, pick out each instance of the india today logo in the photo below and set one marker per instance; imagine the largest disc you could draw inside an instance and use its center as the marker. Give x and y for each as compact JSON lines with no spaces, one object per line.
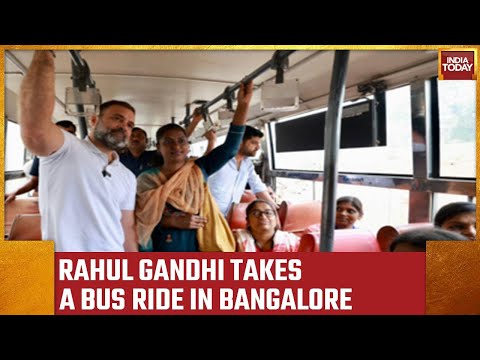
{"x":457,"y":64}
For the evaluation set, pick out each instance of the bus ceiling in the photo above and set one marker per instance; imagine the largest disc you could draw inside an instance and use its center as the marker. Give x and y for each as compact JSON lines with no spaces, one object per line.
{"x":84,"y":99}
{"x":161,"y":82}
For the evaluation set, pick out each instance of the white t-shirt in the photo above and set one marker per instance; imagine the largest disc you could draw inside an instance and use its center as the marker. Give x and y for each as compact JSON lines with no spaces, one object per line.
{"x":80,"y":203}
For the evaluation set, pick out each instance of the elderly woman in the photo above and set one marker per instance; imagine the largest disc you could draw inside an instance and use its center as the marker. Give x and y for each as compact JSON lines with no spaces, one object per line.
{"x":262,"y":233}
{"x":459,"y":217}
{"x":349,"y":211}
{"x":174,"y":207}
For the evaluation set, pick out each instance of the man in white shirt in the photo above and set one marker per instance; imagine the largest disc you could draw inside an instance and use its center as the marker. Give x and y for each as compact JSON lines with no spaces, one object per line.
{"x":86,"y":196}
{"x":228,"y":184}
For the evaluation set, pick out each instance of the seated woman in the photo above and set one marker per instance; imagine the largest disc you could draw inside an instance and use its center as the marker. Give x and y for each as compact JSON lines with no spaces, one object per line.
{"x":349,"y":211}
{"x":416,"y":240}
{"x":174,"y":206}
{"x":459,"y":217}
{"x":262,"y":233}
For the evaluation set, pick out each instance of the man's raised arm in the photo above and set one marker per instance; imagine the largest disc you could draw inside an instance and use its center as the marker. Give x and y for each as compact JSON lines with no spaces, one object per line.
{"x":39,"y":133}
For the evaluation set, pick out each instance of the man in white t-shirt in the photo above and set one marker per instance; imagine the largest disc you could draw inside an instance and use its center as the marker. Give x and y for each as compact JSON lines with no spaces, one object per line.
{"x":86,"y":196}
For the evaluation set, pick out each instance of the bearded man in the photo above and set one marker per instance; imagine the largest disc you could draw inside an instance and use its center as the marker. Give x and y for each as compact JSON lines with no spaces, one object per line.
{"x":86,"y":195}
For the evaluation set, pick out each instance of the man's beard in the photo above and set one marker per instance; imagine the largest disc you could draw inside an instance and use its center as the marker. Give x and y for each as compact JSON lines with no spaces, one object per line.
{"x":109,"y":138}
{"x":249,"y":153}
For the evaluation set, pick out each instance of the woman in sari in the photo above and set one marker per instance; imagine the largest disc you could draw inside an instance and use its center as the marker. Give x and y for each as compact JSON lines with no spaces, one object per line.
{"x":174,"y":208}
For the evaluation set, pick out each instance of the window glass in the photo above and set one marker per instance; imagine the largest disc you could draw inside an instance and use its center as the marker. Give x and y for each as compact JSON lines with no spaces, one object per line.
{"x":394,"y":158}
{"x":457,"y":109}
{"x":441,"y":199}
{"x":14,"y":150}
{"x":381,"y":206}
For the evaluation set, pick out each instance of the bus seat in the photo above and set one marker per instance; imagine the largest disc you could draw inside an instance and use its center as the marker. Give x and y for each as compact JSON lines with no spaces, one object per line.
{"x":237,"y":217}
{"x":345,"y":240}
{"x":18,"y":206}
{"x":248,"y":196}
{"x":387,"y":233}
{"x":26,"y":227}
{"x":296,"y":217}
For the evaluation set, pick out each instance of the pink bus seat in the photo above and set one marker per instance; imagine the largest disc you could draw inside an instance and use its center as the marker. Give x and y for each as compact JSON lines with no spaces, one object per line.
{"x":237,"y":217}
{"x":248,"y":196}
{"x":387,"y":233}
{"x":345,"y":240}
{"x":296,"y":217}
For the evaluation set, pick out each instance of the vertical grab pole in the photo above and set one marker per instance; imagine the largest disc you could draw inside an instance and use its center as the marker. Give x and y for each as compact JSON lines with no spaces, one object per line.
{"x":332,"y":140}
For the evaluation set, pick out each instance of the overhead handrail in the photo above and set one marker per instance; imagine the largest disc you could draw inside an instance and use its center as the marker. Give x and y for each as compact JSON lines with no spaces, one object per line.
{"x":80,"y":71}
{"x":82,"y":82}
{"x":279,"y":56}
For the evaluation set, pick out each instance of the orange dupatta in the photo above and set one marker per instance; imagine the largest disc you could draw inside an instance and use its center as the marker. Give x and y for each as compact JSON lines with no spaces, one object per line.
{"x":187,"y":191}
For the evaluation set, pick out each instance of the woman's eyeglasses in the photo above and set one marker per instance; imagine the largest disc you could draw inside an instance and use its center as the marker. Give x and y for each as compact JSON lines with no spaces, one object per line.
{"x":259,"y":213}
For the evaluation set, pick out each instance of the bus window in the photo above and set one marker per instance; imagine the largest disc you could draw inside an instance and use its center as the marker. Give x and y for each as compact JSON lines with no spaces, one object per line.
{"x":198,"y":148}
{"x":14,"y":147}
{"x":457,"y":128}
{"x":382,"y":206}
{"x":295,"y":190}
{"x":394,"y":158}
{"x":14,"y":156}
{"x":441,"y":199}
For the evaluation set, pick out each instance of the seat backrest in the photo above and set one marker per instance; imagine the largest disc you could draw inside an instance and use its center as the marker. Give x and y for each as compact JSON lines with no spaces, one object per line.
{"x":296,"y":217}
{"x":26,"y":227}
{"x":18,"y":206}
{"x":248,"y":196}
{"x":387,"y":233}
{"x":345,"y":240}
{"x":237,"y":217}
